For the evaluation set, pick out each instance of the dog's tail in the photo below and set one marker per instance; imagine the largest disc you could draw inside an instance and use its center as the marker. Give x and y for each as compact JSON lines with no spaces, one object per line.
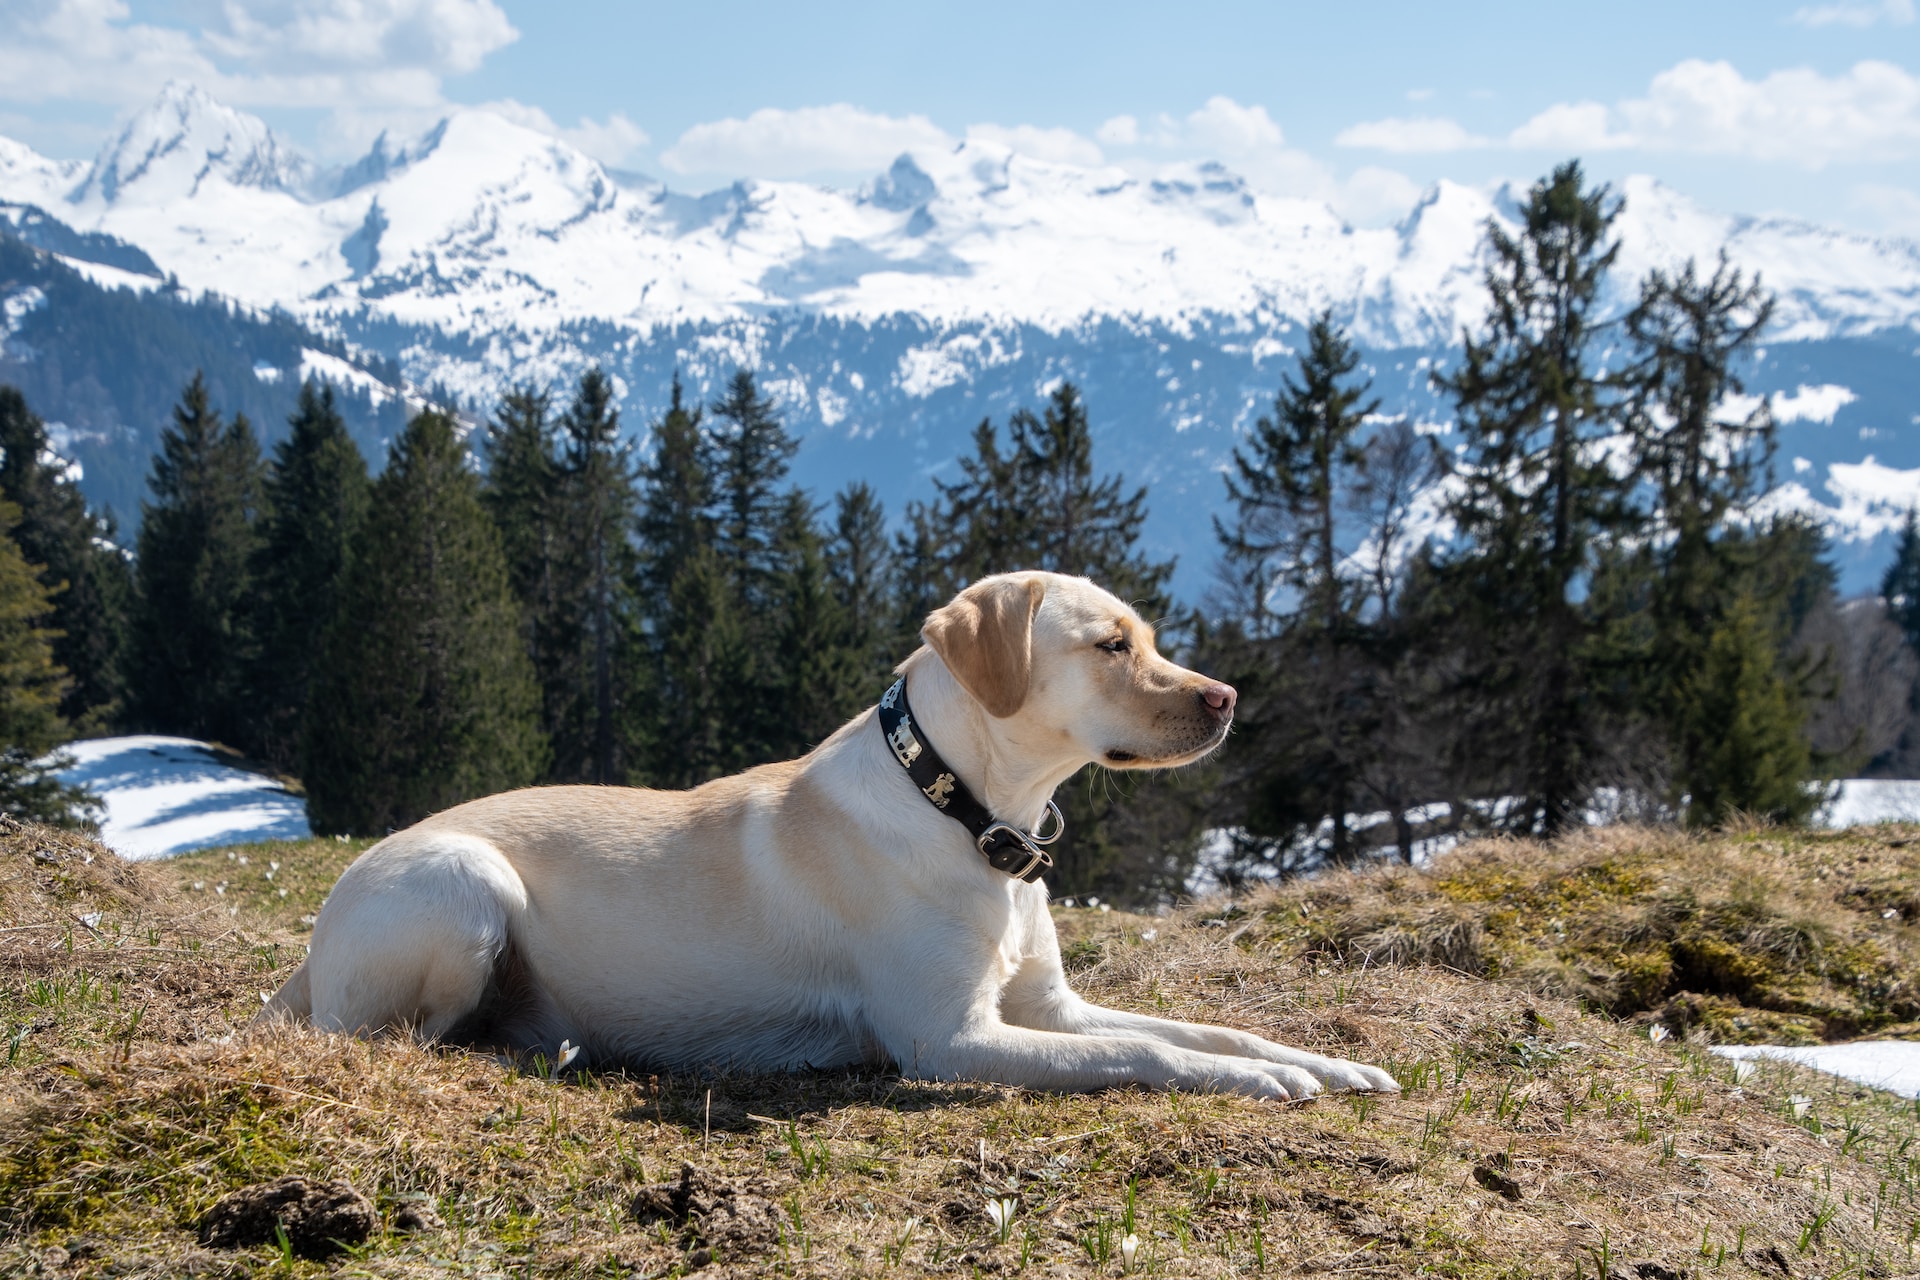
{"x":291,"y":1003}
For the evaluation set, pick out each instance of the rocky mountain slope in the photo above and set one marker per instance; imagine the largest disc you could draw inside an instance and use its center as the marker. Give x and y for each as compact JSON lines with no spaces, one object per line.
{"x":953,"y":286}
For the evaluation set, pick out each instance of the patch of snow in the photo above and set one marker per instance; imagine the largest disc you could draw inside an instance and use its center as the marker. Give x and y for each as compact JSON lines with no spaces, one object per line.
{"x":1861,"y":802}
{"x":165,"y":796}
{"x":111,"y":277}
{"x":266,"y":372}
{"x":1893,"y":1065}
{"x":1804,"y":404}
{"x":17,"y":306}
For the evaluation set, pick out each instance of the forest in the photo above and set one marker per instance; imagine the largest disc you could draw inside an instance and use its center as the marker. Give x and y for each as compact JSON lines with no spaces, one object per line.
{"x":1581,"y":610}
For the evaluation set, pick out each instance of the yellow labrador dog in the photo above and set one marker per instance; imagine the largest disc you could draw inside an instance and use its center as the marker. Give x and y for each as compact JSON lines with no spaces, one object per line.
{"x":877,"y":900}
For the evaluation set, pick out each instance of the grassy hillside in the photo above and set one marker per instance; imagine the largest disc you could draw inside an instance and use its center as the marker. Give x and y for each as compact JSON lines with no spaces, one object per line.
{"x":1534,"y":1137}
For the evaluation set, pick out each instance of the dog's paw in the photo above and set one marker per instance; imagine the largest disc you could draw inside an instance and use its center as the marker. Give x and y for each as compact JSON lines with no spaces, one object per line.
{"x":1353,"y":1077}
{"x":1270,"y":1081}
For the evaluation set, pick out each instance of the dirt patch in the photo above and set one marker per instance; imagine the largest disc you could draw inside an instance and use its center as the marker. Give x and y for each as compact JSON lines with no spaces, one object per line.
{"x":317,"y":1218}
{"x":715,"y":1216}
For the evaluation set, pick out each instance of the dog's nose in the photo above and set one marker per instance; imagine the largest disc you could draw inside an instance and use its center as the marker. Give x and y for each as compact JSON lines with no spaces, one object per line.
{"x":1219,"y":699}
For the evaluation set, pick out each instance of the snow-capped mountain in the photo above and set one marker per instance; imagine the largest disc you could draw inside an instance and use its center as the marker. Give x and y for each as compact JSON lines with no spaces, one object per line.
{"x":956,"y":284}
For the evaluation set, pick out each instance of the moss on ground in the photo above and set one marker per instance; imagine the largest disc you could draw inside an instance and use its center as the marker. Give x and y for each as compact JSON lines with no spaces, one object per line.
{"x":1535,"y":1137}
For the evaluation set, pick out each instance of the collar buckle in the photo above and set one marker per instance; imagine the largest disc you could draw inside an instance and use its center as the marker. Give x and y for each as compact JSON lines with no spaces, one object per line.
{"x":1001,"y":844}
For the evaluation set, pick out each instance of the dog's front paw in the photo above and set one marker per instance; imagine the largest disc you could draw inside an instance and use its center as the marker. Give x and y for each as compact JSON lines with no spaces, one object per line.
{"x":1353,"y":1077}
{"x":1272,"y":1081}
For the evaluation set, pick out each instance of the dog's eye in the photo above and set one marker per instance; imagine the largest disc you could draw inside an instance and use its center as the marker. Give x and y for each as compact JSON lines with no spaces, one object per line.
{"x":1118,"y":645}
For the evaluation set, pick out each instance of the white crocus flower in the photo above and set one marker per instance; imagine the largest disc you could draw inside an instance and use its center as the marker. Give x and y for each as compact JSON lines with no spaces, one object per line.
{"x":568,"y":1052}
{"x":1657,"y":1033}
{"x":1001,"y":1210}
{"x":1129,"y":1247}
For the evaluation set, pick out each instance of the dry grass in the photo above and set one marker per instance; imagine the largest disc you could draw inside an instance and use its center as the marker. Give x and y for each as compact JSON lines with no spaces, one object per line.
{"x":1532,"y":1139}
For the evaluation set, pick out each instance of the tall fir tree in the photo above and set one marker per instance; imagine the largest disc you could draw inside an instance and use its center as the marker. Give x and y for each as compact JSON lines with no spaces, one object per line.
{"x":91,"y":583}
{"x":521,"y":494}
{"x":1900,"y":587}
{"x":1535,"y":498}
{"x":425,"y":696}
{"x":1743,"y":745}
{"x":860,"y":564}
{"x":316,"y":490}
{"x":820,"y":682}
{"x":32,"y":685}
{"x":1700,"y":469}
{"x":591,"y":679}
{"x":1294,"y":488}
{"x":692,"y":637}
{"x":752,"y":453}
{"x":192,"y":644}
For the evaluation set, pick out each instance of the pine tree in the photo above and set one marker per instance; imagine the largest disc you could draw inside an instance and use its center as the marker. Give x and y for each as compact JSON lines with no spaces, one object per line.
{"x":1303,"y":471}
{"x":587,"y":684}
{"x":91,"y":583}
{"x":821,"y":682}
{"x":32,"y":685}
{"x":520,"y":493}
{"x":316,"y":493}
{"x":425,"y":696}
{"x":1698,"y":469}
{"x":752,"y":452}
{"x":1744,"y":747}
{"x":1900,"y":588}
{"x":1536,"y":496}
{"x":690,"y":635}
{"x":192,"y":643}
{"x":860,"y":564}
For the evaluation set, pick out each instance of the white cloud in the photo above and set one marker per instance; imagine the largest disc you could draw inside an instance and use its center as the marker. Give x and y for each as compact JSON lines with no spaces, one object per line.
{"x":349,"y":57}
{"x":1569,"y":126}
{"x":1061,"y":146}
{"x":1871,"y":112}
{"x":1224,"y":126}
{"x":615,"y":140}
{"x":441,"y":36}
{"x":1121,"y":131}
{"x":776,"y":143}
{"x":1410,"y":135}
{"x":1855,"y":14}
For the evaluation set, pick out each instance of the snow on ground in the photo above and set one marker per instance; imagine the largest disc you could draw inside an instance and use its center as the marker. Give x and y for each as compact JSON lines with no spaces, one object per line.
{"x":164,"y":796}
{"x":1863,"y":801}
{"x":1893,"y":1065}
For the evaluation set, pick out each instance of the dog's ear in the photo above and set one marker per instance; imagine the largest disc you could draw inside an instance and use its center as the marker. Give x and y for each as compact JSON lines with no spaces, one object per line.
{"x":985,"y":636}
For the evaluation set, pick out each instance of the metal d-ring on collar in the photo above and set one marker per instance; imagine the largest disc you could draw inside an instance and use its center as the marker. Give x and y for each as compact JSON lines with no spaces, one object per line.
{"x":1020,"y":854}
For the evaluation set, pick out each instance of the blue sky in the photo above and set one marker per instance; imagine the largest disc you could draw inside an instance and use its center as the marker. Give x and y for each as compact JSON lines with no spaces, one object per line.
{"x":1805,"y":109}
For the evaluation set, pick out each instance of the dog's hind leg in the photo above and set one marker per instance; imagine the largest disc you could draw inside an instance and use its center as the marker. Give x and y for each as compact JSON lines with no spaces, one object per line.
{"x":411,"y":935}
{"x":291,"y":1003}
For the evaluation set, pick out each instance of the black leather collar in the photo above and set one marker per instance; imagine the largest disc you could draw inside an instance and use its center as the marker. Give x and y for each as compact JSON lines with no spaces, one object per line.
{"x":1004,"y":846}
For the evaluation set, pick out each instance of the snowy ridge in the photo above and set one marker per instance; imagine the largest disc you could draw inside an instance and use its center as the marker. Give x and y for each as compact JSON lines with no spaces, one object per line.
{"x":484,"y":225}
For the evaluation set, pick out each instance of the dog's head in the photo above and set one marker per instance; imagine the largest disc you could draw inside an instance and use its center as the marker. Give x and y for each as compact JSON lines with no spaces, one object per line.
{"x":1058,"y":656}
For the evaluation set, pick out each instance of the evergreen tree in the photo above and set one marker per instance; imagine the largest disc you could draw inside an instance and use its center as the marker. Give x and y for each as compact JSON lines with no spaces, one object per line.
{"x":91,"y":584}
{"x":705,"y":657}
{"x":676,"y":500}
{"x":425,"y":696}
{"x":1900,"y":588}
{"x":1535,"y":498}
{"x":1293,"y":486}
{"x":1038,"y":506}
{"x":1698,"y":468}
{"x":520,"y":494}
{"x":860,"y":564}
{"x":32,"y":685}
{"x":821,"y":682}
{"x":926,"y":567}
{"x":1744,"y":747}
{"x":752,"y":452}
{"x":587,"y":683}
{"x":316,"y":493}
{"x":192,"y":644}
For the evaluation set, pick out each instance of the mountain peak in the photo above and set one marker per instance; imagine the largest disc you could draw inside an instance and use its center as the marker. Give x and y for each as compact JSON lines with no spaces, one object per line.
{"x":182,"y":138}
